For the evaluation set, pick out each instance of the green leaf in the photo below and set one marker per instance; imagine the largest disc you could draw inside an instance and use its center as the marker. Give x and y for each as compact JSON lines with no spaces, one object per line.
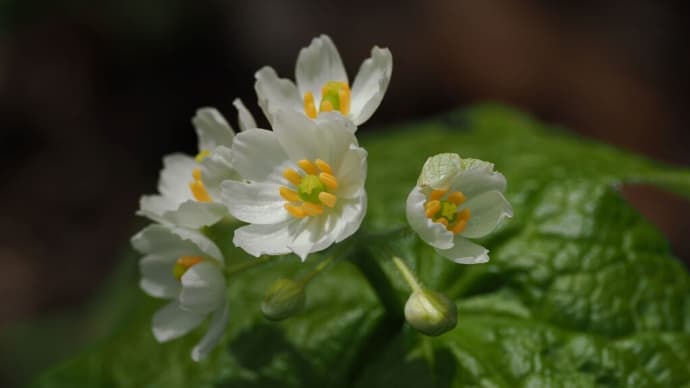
{"x":580,"y":290}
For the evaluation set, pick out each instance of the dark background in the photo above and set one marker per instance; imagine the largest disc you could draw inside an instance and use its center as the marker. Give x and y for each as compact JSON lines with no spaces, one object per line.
{"x":93,"y":95}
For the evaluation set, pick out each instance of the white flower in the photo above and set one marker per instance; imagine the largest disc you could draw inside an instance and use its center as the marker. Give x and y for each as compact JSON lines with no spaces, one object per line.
{"x":306,"y":188}
{"x":455,"y":200}
{"x":184,"y":266}
{"x":190,"y":187}
{"x":322,"y":84}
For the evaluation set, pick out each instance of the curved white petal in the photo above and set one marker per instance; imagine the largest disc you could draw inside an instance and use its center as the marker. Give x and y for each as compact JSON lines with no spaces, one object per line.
{"x":193,"y":214}
{"x":171,"y":322}
{"x":327,"y":138}
{"x":217,"y":168}
{"x":256,"y":203}
{"x":155,"y":206}
{"x":214,"y":333}
{"x":349,"y":219}
{"x":308,"y":236}
{"x":431,"y":232}
{"x":275,"y":93}
{"x":317,"y":64}
{"x":352,"y":172}
{"x":259,"y":239}
{"x":477,"y":177}
{"x":175,"y":177}
{"x":244,"y":116}
{"x":370,"y":84}
{"x":157,"y":277}
{"x":212,"y":129}
{"x":203,"y":288}
{"x":257,"y":155}
{"x":175,"y":242}
{"x":465,"y":252}
{"x":487,"y":211}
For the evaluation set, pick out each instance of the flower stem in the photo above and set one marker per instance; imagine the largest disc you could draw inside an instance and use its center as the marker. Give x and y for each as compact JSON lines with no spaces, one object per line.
{"x":407,"y":274}
{"x":317,"y":270}
{"x":246,"y":265}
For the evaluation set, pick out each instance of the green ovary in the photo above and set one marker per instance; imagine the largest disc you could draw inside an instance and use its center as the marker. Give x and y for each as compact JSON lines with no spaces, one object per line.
{"x":310,"y":188}
{"x":449,"y":211}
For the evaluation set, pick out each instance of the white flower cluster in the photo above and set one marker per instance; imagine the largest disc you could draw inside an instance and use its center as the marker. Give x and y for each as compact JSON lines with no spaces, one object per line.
{"x":299,"y":188}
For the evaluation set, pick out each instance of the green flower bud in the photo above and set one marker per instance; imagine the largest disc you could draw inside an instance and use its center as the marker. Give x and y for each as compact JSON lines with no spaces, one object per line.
{"x":284,"y":299}
{"x":431,"y":312}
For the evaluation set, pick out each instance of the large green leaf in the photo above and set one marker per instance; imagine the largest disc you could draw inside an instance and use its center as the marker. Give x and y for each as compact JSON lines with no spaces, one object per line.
{"x":580,"y":290}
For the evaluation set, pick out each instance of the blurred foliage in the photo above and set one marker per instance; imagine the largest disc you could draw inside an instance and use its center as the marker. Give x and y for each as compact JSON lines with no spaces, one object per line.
{"x":580,"y":290}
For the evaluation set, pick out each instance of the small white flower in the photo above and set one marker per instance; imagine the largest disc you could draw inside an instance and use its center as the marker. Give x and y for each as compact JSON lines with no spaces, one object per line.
{"x":322,"y":84}
{"x":190,"y":187}
{"x":185,"y":266}
{"x":456,"y":200}
{"x":306,"y":188}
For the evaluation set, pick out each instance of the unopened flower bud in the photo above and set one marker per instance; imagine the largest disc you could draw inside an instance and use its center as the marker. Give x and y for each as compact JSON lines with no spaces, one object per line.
{"x":431,"y":312}
{"x":284,"y":299}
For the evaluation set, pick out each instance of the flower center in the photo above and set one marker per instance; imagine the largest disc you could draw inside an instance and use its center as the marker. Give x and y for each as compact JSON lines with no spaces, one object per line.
{"x":183,"y":264}
{"x":334,"y":96}
{"x":196,"y":186}
{"x":310,"y":191}
{"x":443,"y":209}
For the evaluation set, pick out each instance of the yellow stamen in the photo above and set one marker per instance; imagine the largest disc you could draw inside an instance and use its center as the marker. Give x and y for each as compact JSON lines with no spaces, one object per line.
{"x":326,"y":106}
{"x":292,"y":176}
{"x":183,"y":264}
{"x":323,"y":166}
{"x":432,"y":207}
{"x":327,"y":199}
{"x":199,"y":191}
{"x":312,"y":209}
{"x":202,"y":155}
{"x":459,"y":226}
{"x":196,"y":174}
{"x":464,"y":214}
{"x":288,"y":195}
{"x":437,"y":194}
{"x":457,"y":198}
{"x":307,"y":166}
{"x":309,"y":107}
{"x":295,"y":211}
{"x":328,"y":180}
{"x":443,"y":221}
{"x":344,"y":97}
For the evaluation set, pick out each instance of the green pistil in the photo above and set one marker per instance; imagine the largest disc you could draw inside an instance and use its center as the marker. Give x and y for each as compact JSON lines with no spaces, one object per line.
{"x":331,"y":89}
{"x":310,"y":188}
{"x":449,"y":211}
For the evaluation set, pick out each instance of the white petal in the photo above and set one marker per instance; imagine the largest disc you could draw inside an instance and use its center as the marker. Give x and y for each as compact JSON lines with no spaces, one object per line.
{"x":350,"y":217}
{"x":212,"y":129}
{"x":203,"y":288}
{"x":257,"y":155}
{"x":217,"y":168}
{"x":173,"y":241}
{"x":328,"y":138}
{"x":370,"y":84}
{"x":171,"y":322}
{"x":309,"y":236}
{"x":157,"y":277}
{"x":432,"y":233}
{"x":244,"y":116}
{"x":256,"y":203}
{"x":193,"y":214}
{"x":258,"y":239}
{"x":175,"y":177}
{"x":317,"y":64}
{"x":276,"y":94}
{"x":465,"y":252}
{"x":214,"y":333}
{"x":352,"y":172}
{"x":478,"y":177}
{"x":487,"y":211}
{"x":154,"y":206}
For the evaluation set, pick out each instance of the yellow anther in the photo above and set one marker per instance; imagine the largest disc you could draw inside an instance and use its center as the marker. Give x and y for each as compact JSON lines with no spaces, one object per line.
{"x":437,"y":194}
{"x":295,"y":211}
{"x":457,"y":198}
{"x":327,"y":199}
{"x":459,"y":226}
{"x":202,"y":155}
{"x":183,"y":264}
{"x":464,"y":214}
{"x":326,"y":106}
{"x":288,"y":195}
{"x":344,"y":97}
{"x":199,"y":191}
{"x":312,"y":209}
{"x":309,"y":107}
{"x":328,"y":180}
{"x":432,"y":207}
{"x":292,"y":176}
{"x":196,"y":174}
{"x":443,"y":221}
{"x":323,"y":166}
{"x":308,"y":167}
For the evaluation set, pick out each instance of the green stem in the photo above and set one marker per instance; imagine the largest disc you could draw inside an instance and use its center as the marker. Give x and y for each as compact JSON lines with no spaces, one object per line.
{"x":407,"y":274}
{"x":371,"y":269}
{"x":246,"y":265}
{"x":317,"y":270}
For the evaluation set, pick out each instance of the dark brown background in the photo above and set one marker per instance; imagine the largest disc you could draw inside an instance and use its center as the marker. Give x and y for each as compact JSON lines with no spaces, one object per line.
{"x":92,"y":96}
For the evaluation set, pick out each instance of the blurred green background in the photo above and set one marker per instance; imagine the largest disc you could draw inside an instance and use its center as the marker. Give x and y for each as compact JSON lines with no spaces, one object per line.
{"x":93,"y":95}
